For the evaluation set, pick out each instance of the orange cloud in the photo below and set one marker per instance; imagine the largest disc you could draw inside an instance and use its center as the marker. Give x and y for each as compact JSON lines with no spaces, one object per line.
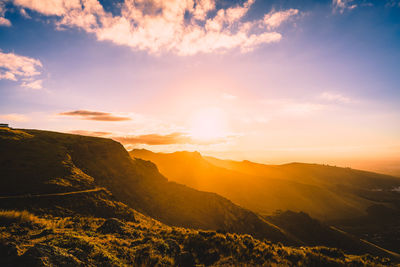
{"x":94,"y":115}
{"x":155,"y":139}
{"x":90,"y":133}
{"x":14,"y":117}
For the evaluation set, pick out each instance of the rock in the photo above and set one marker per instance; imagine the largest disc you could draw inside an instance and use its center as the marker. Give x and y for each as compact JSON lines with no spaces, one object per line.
{"x":111,"y":226}
{"x":8,"y":254}
{"x":185,"y":259}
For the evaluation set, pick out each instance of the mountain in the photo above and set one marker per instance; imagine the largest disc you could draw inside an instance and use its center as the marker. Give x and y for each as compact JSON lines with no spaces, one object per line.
{"x":342,"y":197}
{"x":324,"y":192}
{"x":40,"y":162}
{"x":78,"y":201}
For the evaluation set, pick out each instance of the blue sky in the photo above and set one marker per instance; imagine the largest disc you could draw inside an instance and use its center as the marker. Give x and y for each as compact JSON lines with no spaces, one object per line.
{"x":272,"y":81}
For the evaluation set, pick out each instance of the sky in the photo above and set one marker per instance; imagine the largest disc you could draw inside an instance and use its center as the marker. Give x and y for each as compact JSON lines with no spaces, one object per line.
{"x":263,"y":80}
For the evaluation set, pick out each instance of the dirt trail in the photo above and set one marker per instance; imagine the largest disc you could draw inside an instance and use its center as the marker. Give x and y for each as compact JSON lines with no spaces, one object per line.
{"x":54,"y":194}
{"x":391,"y":253}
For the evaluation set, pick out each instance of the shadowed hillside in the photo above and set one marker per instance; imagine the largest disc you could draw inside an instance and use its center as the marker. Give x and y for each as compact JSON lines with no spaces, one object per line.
{"x":40,"y":162}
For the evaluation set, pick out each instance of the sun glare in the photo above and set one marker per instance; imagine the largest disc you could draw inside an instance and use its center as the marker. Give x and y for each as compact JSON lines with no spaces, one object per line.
{"x":208,"y":124}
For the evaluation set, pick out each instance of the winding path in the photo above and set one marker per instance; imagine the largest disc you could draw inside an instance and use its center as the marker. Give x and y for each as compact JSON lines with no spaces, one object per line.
{"x":55,"y":194}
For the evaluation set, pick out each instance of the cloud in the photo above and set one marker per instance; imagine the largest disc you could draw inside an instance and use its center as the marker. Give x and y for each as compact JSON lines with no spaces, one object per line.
{"x":228,"y":96}
{"x":275,"y":19}
{"x":90,"y":133}
{"x":301,"y":109}
{"x":185,"y":27}
{"x":13,"y":67}
{"x":335,"y":97}
{"x":49,"y":7}
{"x":94,"y":115}
{"x":14,"y":117}
{"x":342,"y":5}
{"x":155,"y":139}
{"x":33,"y":85}
{"x":392,"y":3}
{"x":3,"y":20}
{"x":147,"y":139}
{"x":292,"y":107}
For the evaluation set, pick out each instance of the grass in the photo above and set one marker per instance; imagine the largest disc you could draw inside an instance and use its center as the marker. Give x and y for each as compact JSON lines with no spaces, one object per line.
{"x":8,"y":217}
{"x":94,"y":241}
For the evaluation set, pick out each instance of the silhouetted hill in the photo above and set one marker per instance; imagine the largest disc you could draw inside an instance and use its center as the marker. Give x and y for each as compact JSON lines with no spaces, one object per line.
{"x":41,"y":162}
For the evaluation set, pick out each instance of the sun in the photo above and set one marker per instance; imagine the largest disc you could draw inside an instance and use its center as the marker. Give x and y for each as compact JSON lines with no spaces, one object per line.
{"x":208,"y":124}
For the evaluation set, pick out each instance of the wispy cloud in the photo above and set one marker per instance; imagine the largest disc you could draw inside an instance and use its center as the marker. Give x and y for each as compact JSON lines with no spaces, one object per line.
{"x":342,"y":5}
{"x":144,"y":139}
{"x":91,"y":133}
{"x":33,"y":85}
{"x":185,"y":27}
{"x":228,"y":96}
{"x":292,"y":107}
{"x":14,"y":117}
{"x":392,"y":3}
{"x":275,"y":19}
{"x":335,"y":97}
{"x":14,"y":67}
{"x":94,"y":115}
{"x":3,"y":20}
{"x":155,"y":139}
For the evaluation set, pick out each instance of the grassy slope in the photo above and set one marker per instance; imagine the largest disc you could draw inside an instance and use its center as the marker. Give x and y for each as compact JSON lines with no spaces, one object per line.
{"x":33,"y":161}
{"x":26,"y":239}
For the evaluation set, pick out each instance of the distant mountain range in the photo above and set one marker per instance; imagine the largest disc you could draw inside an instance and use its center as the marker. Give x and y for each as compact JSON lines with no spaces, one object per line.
{"x":345,"y":197}
{"x":325,"y":192}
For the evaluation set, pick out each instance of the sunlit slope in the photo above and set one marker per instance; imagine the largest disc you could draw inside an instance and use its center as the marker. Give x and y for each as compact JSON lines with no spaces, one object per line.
{"x":40,"y":162}
{"x":312,"y":173}
{"x":321,"y":191}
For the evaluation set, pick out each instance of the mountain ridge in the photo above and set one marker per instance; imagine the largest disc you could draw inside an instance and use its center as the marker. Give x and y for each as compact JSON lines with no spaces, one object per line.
{"x":54,"y":160}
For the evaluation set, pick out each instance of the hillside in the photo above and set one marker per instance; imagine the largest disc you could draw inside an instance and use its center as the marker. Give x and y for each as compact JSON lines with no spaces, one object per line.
{"x":40,"y":162}
{"x":89,"y":203}
{"x":30,"y":240}
{"x":338,"y":196}
{"x":324,"y":192}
